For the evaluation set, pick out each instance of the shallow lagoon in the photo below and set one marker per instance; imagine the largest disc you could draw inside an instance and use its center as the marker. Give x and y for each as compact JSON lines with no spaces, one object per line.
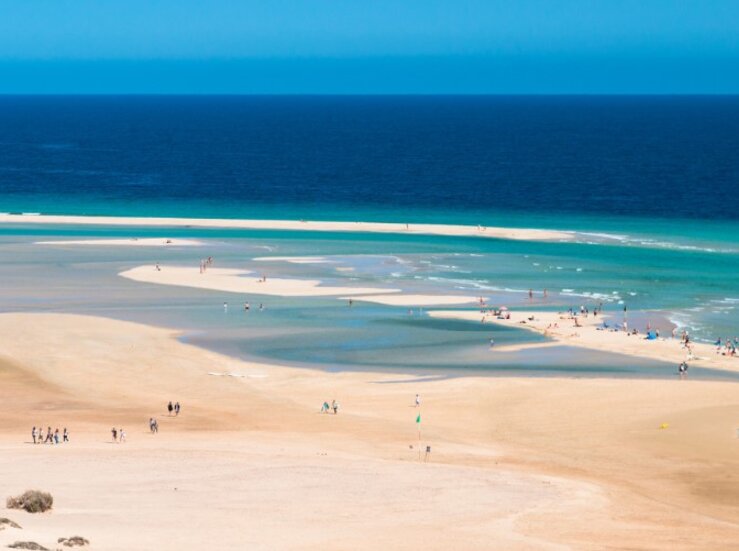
{"x":696,"y":288}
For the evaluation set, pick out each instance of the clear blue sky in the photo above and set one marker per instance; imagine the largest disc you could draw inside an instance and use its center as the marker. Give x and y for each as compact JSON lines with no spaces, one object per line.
{"x":369,"y":46}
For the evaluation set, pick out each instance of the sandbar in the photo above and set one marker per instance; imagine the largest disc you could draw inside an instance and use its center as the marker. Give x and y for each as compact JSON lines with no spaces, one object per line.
{"x":415,"y":300}
{"x":525,"y":234}
{"x":232,"y":280}
{"x":130,"y":242}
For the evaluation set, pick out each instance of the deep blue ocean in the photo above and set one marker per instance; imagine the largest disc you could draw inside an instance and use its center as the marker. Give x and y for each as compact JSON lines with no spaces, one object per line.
{"x":489,"y":158}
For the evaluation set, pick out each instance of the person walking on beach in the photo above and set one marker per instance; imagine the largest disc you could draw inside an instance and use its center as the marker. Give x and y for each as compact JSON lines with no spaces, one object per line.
{"x":114,"y":432}
{"x":122,"y":436}
{"x":65,"y":435}
{"x":170,"y":407}
{"x":176,"y":409}
{"x":33,"y":434}
{"x":683,"y":369}
{"x":418,"y":400}
{"x":56,"y":436}
{"x":49,"y":436}
{"x":335,"y":406}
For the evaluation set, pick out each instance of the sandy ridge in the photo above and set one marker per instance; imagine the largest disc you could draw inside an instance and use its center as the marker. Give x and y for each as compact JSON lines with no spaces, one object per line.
{"x":526,"y":234}
{"x":240,"y":281}
{"x":130,"y":242}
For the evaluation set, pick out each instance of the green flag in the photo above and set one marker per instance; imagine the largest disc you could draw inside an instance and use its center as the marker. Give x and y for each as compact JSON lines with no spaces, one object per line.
{"x":418,"y":419}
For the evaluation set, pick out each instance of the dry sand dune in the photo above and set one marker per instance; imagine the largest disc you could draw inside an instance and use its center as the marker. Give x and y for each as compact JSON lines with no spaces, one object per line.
{"x":543,"y":463}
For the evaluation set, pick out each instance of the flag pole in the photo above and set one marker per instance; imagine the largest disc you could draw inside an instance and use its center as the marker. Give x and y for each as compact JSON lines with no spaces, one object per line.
{"x":418,"y":422}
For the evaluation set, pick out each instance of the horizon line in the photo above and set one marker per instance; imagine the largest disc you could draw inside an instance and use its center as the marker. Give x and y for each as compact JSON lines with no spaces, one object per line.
{"x":373,"y":94}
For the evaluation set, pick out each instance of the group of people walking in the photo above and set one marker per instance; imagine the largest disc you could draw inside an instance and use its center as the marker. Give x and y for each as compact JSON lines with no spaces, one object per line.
{"x":52,"y":437}
{"x":205,"y":263}
{"x":119,"y":435}
{"x":173,"y":408}
{"x":325,"y":408}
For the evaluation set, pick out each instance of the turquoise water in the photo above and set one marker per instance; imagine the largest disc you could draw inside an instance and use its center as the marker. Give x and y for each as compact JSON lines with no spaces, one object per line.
{"x":693,"y":288}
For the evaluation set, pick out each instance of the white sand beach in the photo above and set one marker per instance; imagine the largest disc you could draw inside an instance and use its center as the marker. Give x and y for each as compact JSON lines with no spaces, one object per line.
{"x":515,"y":463}
{"x":241,"y":281}
{"x":410,"y":299}
{"x":130,"y":242}
{"x":589,"y":333}
{"x":526,"y":234}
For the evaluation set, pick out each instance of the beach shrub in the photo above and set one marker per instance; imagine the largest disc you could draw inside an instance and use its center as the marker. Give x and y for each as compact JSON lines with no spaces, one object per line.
{"x":31,"y":545}
{"x":5,"y":522}
{"x":74,"y":541}
{"x":31,"y":501}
